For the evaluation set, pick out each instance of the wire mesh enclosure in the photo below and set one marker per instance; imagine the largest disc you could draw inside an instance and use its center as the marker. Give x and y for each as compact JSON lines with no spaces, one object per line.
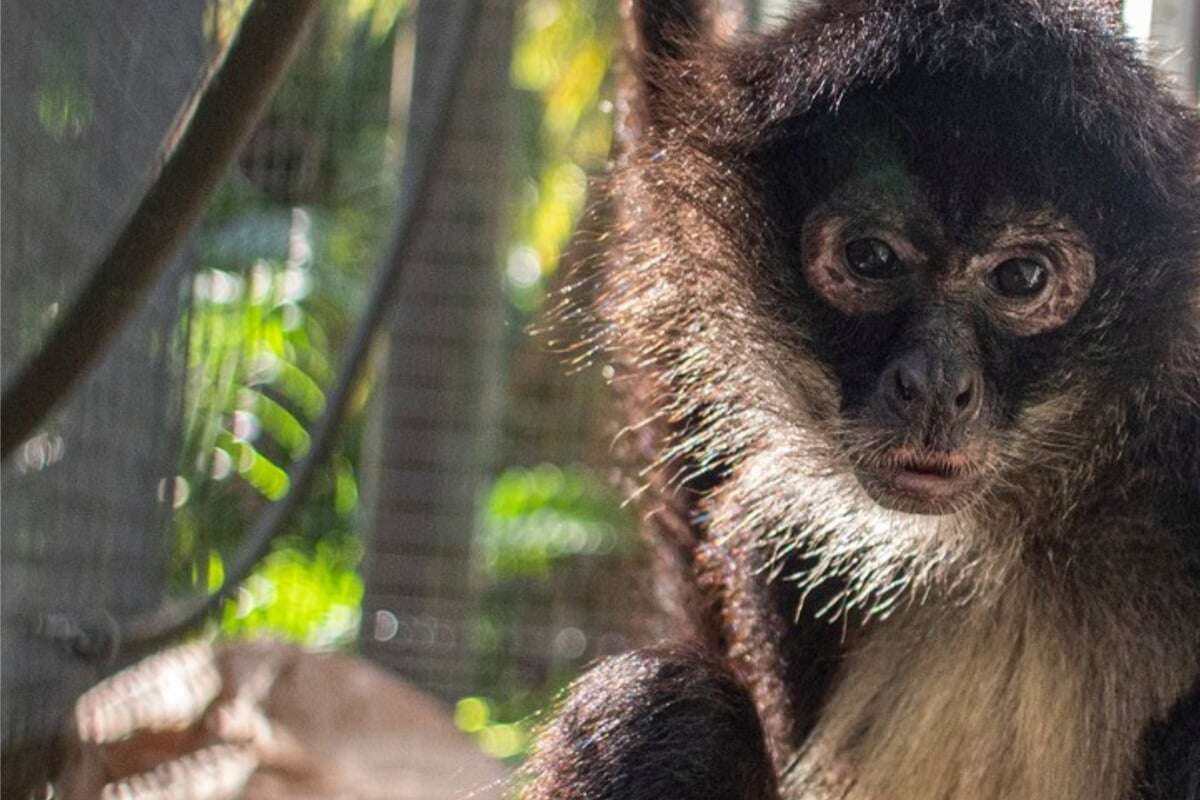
{"x":87,"y":498}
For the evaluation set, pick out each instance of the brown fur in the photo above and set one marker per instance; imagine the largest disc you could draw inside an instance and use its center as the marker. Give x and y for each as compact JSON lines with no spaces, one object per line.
{"x":1035,"y":638}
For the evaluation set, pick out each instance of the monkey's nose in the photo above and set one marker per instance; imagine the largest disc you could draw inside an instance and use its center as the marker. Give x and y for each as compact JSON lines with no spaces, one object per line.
{"x":917,"y":387}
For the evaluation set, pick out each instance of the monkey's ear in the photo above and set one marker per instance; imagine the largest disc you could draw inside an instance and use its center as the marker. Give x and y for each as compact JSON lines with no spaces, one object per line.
{"x":658,"y":34}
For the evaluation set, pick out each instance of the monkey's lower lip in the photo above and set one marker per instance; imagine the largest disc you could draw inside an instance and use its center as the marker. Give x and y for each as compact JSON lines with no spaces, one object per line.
{"x":920,"y":484}
{"x":933,"y":484}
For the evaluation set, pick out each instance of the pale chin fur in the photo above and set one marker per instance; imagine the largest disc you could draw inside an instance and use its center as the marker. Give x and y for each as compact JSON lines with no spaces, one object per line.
{"x":947,"y":625}
{"x":885,"y":558}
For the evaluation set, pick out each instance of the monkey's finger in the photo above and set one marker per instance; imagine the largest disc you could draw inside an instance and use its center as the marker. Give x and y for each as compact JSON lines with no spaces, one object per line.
{"x":219,"y":772}
{"x":167,"y":691}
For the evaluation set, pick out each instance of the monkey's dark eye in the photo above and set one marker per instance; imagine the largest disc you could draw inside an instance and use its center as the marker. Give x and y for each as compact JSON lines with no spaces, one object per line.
{"x":1018,"y":278}
{"x":872,"y":259}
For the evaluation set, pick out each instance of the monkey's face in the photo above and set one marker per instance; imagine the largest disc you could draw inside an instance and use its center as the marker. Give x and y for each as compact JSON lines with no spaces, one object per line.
{"x":957,"y":279}
{"x":930,"y":314}
{"x":929,"y":300}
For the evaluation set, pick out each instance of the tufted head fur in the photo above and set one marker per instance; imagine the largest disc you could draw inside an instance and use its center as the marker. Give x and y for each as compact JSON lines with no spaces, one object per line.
{"x":980,"y":113}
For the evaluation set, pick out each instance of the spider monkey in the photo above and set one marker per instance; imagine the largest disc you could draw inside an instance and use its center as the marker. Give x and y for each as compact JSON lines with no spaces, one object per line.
{"x":904,"y":301}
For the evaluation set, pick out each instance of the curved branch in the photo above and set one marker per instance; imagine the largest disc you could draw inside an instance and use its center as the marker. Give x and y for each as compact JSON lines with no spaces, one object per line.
{"x":228,"y":108}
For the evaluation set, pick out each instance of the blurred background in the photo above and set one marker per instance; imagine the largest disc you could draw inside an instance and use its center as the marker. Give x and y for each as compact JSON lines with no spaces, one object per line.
{"x":465,"y":532}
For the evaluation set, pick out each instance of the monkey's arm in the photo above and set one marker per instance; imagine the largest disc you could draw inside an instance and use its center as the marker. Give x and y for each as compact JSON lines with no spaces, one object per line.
{"x":1172,"y":748}
{"x":656,"y":723}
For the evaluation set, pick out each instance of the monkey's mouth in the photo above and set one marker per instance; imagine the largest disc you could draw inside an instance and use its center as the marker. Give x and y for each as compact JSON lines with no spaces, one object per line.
{"x":920,"y":481}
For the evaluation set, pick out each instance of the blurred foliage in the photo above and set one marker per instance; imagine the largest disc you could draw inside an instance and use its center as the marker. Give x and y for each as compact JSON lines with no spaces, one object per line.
{"x":283,"y":268}
{"x":480,"y":717}
{"x":65,"y":108}
{"x":283,"y":259}
{"x":312,"y":596}
{"x":533,"y":520}
{"x":561,"y":69}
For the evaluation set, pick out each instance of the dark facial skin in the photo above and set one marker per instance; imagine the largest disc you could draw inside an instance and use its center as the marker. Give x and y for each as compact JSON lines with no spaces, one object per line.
{"x":930,"y":295}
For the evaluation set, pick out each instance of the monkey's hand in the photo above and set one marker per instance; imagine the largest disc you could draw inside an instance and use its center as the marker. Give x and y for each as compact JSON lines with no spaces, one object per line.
{"x":657,"y":723}
{"x":265,"y":721}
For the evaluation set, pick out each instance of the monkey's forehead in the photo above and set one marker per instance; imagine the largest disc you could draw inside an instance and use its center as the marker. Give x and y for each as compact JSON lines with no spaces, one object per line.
{"x":1066,"y":60}
{"x":892,"y":195}
{"x":972,"y":161}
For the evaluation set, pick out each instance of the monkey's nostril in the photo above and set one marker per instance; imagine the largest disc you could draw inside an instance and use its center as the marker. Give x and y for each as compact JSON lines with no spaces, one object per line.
{"x":964,"y":397}
{"x":908,"y":385}
{"x":966,"y":401}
